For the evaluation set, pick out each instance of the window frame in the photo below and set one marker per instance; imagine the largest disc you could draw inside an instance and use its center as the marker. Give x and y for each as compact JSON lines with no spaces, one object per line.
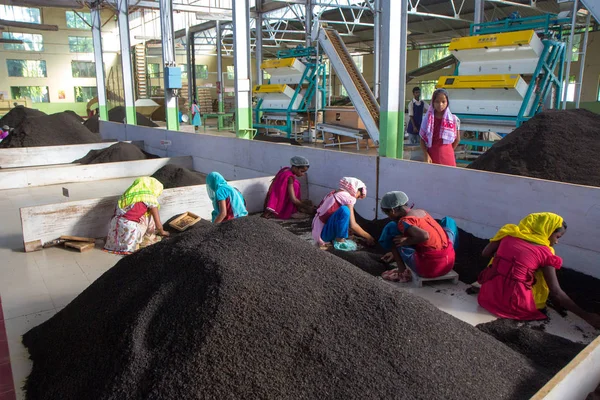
{"x":85,"y":26}
{"x":33,"y":42}
{"x":12,"y":7}
{"x":87,"y":38}
{"x":25,"y":68}
{"x":92,"y":69}
{"x":85,"y":100}
{"x":47,"y":95}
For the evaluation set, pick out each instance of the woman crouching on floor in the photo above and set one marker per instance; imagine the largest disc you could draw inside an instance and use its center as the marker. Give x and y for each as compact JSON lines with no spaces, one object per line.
{"x":283,"y":198}
{"x":136,"y":218}
{"x":416,"y":240}
{"x":228,"y":202}
{"x":522,"y":274}
{"x":335,"y":216}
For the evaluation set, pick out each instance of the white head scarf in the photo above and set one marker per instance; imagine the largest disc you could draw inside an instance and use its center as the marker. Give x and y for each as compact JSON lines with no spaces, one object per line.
{"x":352,"y":185}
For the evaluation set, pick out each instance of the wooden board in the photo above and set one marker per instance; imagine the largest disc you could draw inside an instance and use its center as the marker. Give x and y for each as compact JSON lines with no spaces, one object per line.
{"x":91,"y":218}
{"x":69,"y":173}
{"x":81,"y":246}
{"x":77,"y":239}
{"x":49,"y":155}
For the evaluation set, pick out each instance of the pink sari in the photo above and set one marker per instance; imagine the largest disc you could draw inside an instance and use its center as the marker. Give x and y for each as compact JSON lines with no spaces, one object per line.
{"x":278,"y":201}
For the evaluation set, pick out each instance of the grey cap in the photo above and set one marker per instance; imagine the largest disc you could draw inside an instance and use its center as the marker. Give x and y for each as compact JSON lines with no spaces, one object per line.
{"x":299,"y":161}
{"x":6,"y":127}
{"x":394,"y":199}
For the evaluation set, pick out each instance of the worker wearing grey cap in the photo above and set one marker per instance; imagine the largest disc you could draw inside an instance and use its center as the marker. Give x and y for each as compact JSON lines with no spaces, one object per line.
{"x":284,"y":198}
{"x":416,"y":240}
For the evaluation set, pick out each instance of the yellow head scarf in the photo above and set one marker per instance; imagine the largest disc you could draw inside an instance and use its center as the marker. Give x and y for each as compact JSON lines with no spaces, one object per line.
{"x":145,"y":189}
{"x":535,"y":228}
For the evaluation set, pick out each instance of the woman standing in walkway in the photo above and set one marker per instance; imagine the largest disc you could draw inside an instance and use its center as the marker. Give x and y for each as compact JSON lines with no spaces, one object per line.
{"x":440,"y":131}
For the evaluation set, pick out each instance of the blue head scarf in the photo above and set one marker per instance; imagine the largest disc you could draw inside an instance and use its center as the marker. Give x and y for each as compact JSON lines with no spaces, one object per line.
{"x":218,"y":189}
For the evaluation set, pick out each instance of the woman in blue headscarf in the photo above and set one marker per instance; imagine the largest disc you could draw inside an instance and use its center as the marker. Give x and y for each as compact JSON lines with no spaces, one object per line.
{"x":228,"y":202}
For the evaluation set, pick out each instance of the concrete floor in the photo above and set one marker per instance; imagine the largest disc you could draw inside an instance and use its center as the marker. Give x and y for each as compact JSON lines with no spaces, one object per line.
{"x":35,"y":286}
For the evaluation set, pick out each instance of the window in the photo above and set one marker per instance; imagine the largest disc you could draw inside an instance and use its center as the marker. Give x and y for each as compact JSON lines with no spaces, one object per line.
{"x":427,"y":89}
{"x":27,"y":68}
{"x":570,"y":89}
{"x":81,"y":44}
{"x":327,"y":66}
{"x":201,"y":72}
{"x":83,"y":94}
{"x":153,"y":70}
{"x":358,"y":60}
{"x":81,"y":21}
{"x":31,"y":41}
{"x":21,"y":14}
{"x":37,"y":94}
{"x":427,"y":56}
{"x":83,"y":69}
{"x":156,"y":91}
{"x":230,"y":72}
{"x":343,"y":92}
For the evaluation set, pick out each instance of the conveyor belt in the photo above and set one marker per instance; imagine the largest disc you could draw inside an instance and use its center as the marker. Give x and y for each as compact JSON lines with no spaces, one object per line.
{"x":356,"y":86}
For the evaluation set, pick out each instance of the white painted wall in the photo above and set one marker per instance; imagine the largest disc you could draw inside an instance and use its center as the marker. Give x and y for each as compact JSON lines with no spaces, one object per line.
{"x":239,"y":159}
{"x":480,"y":201}
{"x":91,"y":218}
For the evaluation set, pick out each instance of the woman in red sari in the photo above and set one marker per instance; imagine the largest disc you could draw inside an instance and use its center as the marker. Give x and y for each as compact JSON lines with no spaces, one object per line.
{"x":284,"y":196}
{"x":440,"y":131}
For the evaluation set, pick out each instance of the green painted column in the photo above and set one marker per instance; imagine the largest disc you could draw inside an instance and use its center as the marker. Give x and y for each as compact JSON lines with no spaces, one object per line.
{"x":103,"y":112}
{"x":388,"y":133}
{"x":130,"y":115}
{"x":243,"y":122}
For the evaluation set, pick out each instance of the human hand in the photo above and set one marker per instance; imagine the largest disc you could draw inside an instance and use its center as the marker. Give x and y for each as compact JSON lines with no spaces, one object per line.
{"x":400,"y":240}
{"x":370,"y":241}
{"x":162,"y":232}
{"x":387,"y":257}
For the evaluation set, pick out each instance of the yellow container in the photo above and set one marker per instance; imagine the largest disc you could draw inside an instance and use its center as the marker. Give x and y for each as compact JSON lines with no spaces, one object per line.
{"x":278,"y":63}
{"x":269,"y":88}
{"x":478,"y":82}
{"x":518,"y":38}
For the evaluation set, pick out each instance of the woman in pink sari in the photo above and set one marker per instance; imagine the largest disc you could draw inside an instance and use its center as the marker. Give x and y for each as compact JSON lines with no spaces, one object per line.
{"x":284,"y":197}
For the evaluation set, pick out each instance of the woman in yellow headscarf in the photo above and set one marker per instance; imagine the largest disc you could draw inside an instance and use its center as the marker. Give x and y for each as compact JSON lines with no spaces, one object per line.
{"x":136,"y":218}
{"x":522,"y":272}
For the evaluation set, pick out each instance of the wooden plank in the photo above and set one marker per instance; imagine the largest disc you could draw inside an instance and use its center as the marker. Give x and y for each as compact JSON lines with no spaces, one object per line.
{"x":43,"y":176}
{"x":77,"y":239}
{"x":50,"y":155}
{"x":90,"y":218}
{"x":577,"y":379}
{"x":81,"y":246}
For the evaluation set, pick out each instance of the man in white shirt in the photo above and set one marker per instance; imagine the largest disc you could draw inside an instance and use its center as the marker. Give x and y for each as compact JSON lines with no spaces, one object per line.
{"x":416,"y":109}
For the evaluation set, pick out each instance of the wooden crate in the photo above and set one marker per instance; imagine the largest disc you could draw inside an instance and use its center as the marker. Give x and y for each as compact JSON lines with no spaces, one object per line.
{"x":184,"y":221}
{"x":343,"y":116}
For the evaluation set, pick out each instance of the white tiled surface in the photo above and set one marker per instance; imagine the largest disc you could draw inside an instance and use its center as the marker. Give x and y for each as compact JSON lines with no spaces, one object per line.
{"x":35,"y":286}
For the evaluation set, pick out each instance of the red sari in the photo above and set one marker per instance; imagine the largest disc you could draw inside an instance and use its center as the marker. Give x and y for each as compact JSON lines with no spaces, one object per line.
{"x":439,"y":152}
{"x":278,"y":200}
{"x":506,"y":285}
